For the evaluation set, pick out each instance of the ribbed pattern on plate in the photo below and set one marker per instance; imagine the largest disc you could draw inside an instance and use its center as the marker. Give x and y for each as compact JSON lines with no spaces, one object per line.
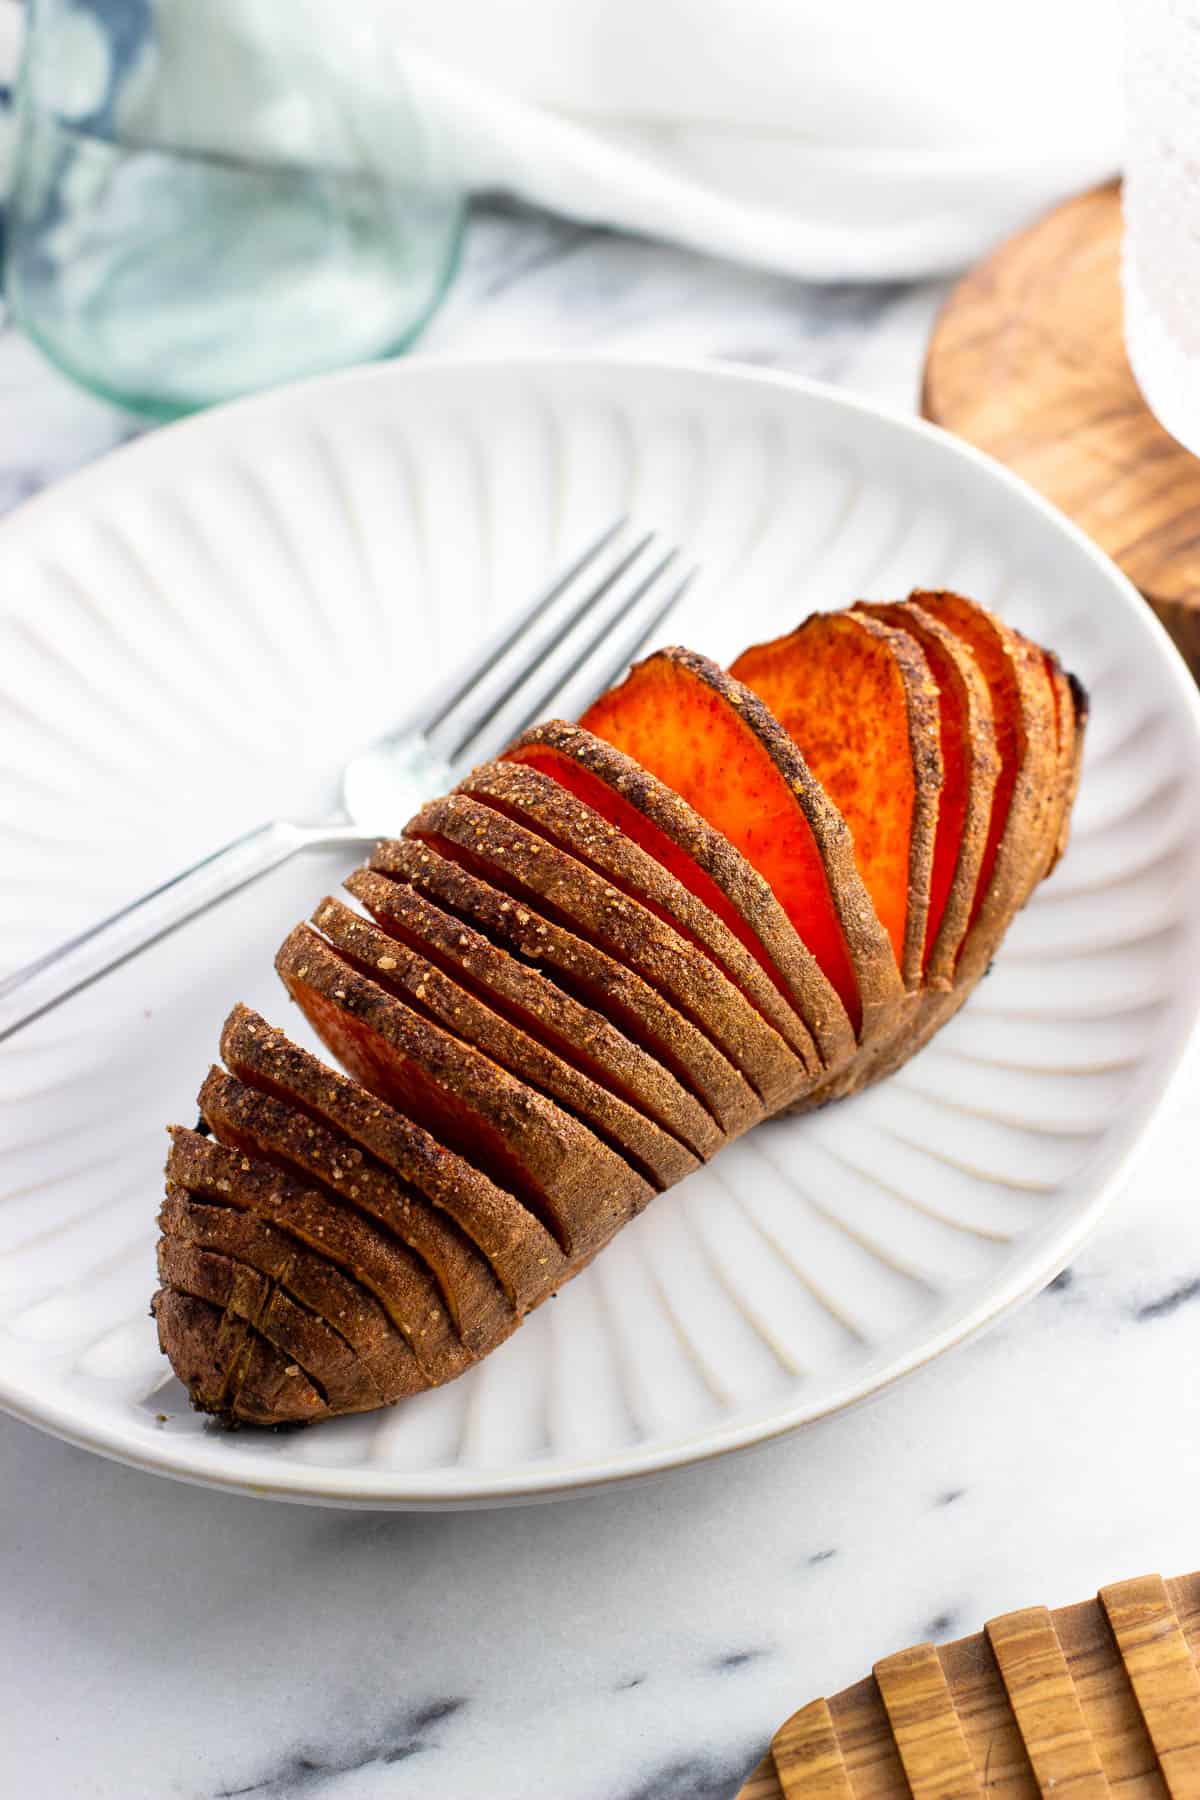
{"x":195,"y":635}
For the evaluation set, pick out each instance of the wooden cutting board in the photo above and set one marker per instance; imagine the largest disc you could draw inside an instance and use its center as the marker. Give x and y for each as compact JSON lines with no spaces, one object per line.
{"x":1027,"y":361}
{"x":1090,"y":1701}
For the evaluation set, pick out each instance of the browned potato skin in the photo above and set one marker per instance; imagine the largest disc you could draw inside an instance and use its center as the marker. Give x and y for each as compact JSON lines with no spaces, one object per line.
{"x":228,"y":1369}
{"x":383,"y":1352}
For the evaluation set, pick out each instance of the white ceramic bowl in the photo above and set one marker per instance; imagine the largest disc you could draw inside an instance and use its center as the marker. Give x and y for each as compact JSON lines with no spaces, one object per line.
{"x":194,"y":633}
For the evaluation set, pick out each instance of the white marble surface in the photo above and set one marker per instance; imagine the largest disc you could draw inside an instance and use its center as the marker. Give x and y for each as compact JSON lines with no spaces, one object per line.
{"x":159,"y":1641}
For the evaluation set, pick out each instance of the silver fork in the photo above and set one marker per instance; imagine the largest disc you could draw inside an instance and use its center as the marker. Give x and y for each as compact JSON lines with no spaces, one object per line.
{"x":422,"y":756}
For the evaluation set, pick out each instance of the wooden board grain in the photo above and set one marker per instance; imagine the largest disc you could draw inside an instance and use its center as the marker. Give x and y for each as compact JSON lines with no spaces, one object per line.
{"x":1079,"y":1704}
{"x":1027,"y":361}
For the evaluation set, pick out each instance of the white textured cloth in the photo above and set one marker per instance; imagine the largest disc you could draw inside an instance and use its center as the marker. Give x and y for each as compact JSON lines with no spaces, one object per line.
{"x":825,"y":138}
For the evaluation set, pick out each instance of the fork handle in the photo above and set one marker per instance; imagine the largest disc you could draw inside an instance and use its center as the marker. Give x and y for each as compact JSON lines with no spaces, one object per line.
{"x":44,"y":983}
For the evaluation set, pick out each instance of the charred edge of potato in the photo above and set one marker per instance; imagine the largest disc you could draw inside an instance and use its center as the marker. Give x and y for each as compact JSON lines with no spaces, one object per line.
{"x":1070,"y":719}
{"x":228,"y":1369}
{"x":384,"y":1354}
{"x":341,"y":1381}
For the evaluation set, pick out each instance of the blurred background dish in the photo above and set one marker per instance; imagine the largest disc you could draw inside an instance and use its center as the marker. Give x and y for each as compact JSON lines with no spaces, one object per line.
{"x":166,"y":261}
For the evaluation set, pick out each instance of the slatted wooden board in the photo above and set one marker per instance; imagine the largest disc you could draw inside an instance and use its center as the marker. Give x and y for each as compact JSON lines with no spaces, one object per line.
{"x":1027,"y":360}
{"x":1087,"y":1701}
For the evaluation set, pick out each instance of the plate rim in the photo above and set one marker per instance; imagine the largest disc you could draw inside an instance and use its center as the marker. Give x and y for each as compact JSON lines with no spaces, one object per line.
{"x":402,"y":1490}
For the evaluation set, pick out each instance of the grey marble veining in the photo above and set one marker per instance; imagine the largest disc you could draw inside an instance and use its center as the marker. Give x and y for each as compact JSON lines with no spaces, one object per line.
{"x":165,"y":1643}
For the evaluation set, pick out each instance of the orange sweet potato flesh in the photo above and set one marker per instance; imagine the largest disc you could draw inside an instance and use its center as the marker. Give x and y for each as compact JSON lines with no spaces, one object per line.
{"x":707,"y":737}
{"x":859,"y":700}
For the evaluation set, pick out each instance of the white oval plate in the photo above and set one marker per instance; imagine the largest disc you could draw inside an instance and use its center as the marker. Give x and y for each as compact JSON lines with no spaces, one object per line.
{"x":194,"y":633}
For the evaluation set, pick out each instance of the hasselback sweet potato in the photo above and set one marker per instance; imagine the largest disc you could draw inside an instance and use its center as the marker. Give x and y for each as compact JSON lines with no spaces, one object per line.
{"x":603,"y":956}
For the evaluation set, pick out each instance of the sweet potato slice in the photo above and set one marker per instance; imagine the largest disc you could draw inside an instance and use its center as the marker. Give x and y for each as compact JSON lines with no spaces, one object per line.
{"x":425,"y":987}
{"x":270,"y":1129}
{"x":970,"y":765}
{"x":228,"y":1369}
{"x":859,"y":700}
{"x":581,"y":1190}
{"x":383,"y":1353}
{"x":733,"y":914}
{"x":378,"y":1262}
{"x":1028,"y":796}
{"x":522,"y":790}
{"x":558,"y":886}
{"x":709,"y":738}
{"x":527,"y":1260}
{"x":633,"y":1035}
